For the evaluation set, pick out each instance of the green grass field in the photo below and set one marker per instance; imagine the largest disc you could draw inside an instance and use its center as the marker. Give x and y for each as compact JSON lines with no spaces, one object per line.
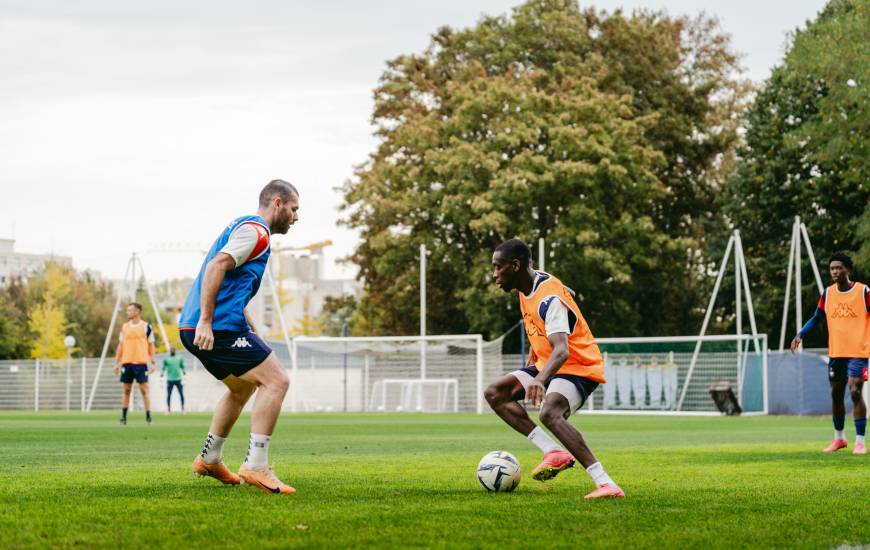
{"x":74,"y":480}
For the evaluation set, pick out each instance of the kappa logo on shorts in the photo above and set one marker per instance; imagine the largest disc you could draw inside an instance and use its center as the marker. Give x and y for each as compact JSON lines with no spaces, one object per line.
{"x":241,"y":342}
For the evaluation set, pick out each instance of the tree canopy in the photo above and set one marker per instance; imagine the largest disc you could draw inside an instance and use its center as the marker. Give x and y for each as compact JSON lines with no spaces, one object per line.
{"x":605,"y":134}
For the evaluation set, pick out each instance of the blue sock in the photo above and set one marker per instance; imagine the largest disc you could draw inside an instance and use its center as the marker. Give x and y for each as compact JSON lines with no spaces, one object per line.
{"x":839,"y":422}
{"x":860,"y":426}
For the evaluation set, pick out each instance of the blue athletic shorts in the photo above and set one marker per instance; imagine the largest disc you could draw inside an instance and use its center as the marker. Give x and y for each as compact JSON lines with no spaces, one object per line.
{"x":137,"y":372}
{"x":840,"y":369}
{"x":234,"y":352}
{"x":584,"y":385}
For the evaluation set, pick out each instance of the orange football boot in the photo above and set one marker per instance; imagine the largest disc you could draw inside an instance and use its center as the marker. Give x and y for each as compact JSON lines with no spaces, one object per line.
{"x":218,"y":471}
{"x":553,"y":463}
{"x":264,"y":480}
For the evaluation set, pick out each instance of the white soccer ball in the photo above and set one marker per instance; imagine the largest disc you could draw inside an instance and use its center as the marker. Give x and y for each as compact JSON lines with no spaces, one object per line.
{"x":499,"y":471}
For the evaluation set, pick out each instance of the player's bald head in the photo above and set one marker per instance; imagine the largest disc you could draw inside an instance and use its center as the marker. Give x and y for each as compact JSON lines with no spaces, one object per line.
{"x":515,"y":249}
{"x":277,"y":188}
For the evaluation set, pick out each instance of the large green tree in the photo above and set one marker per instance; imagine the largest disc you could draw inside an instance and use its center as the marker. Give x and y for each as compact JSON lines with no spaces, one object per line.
{"x":605,"y":134}
{"x":806,"y":154}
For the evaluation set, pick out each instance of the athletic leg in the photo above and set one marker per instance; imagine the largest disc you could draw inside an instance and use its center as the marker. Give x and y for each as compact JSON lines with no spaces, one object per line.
{"x":838,"y":415}
{"x":125,"y":401}
{"x":554,"y":415}
{"x":143,"y":389}
{"x":230,"y":406}
{"x":503,"y":396}
{"x":181,"y":394}
{"x":169,"y":386}
{"x":272,"y":384}
{"x":555,"y":411}
{"x":859,"y":412}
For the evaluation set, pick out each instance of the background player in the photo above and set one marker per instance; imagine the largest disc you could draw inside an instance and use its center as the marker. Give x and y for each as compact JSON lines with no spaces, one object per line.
{"x":564,"y":368}
{"x":215,"y":329}
{"x":846,"y":306}
{"x":134,"y":359}
{"x":173,"y":369}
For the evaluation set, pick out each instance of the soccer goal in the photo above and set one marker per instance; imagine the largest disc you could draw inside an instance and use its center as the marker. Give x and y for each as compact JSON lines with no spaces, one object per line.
{"x":674,"y":374}
{"x":445,"y":373}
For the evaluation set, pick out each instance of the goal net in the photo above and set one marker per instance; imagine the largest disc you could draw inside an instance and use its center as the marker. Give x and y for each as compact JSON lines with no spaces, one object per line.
{"x":675,"y":374}
{"x":392,"y":373}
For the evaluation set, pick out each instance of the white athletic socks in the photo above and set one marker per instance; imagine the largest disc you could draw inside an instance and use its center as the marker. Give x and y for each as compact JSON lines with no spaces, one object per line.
{"x":859,"y":440}
{"x":258,"y":452}
{"x":598,"y":475}
{"x":213,"y":450}
{"x":839,"y":434}
{"x":543,"y":441}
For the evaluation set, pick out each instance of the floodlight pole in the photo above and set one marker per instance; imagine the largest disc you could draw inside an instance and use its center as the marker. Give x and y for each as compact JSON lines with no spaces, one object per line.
{"x":787,"y":287}
{"x":542,"y":264}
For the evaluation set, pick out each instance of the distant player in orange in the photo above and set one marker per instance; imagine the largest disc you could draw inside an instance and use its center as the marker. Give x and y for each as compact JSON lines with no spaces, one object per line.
{"x":846,"y":306}
{"x":135,"y":358}
{"x":564,"y":368}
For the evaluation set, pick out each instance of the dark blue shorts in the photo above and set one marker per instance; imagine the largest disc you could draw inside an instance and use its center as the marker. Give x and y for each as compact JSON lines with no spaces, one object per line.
{"x":234,"y":352}
{"x":584,"y":385}
{"x":840,"y":369}
{"x":130,"y":372}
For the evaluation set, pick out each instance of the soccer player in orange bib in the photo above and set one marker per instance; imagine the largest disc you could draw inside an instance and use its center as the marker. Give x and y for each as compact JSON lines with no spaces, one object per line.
{"x":564,"y":368}
{"x":846,"y":306}
{"x":135,"y":358}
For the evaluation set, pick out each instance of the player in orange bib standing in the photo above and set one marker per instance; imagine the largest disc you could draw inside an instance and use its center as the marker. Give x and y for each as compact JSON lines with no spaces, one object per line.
{"x":846,"y":306}
{"x":135,"y":358}
{"x":564,"y":368}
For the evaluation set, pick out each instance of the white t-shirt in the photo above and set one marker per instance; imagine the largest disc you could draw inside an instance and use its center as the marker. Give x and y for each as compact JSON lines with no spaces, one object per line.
{"x":241,"y":243}
{"x":557,"y":312}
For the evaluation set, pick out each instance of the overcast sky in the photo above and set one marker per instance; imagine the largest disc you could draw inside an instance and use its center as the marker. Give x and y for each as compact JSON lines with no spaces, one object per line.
{"x":150,"y":125}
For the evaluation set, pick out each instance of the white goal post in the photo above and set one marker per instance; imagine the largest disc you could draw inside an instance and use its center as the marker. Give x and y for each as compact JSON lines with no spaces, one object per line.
{"x":444,"y":373}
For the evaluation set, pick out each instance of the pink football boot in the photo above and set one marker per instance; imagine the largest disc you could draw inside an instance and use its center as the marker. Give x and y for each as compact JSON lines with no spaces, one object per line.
{"x":606,"y":490}
{"x":553,"y":463}
{"x":859,"y":449}
{"x":836,"y":445}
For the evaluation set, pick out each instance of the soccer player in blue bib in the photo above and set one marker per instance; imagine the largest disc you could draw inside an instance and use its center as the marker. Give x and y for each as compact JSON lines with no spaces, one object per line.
{"x":214,"y":327}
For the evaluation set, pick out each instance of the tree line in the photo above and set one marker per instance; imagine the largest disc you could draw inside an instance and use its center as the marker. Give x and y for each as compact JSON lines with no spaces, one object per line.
{"x":631,"y":143}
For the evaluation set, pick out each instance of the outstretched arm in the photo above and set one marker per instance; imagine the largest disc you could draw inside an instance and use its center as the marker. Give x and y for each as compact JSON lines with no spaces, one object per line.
{"x":814,"y":320}
{"x":214,"y":275}
{"x":559,"y":341}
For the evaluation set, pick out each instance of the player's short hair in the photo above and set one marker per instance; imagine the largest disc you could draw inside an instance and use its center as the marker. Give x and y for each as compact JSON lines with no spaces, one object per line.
{"x":277,"y":188}
{"x":843,"y":258}
{"x":515,"y":249}
{"x":137,"y":305}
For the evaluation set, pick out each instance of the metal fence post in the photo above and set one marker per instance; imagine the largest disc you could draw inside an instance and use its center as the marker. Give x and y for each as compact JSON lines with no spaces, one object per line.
{"x":36,"y":388}
{"x":83,"y":384}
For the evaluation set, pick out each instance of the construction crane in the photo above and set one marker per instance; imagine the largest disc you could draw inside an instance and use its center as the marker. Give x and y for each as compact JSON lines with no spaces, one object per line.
{"x":313,"y":247}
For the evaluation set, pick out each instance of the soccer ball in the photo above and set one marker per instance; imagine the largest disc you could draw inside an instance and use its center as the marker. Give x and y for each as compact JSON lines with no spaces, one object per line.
{"x":499,"y":471}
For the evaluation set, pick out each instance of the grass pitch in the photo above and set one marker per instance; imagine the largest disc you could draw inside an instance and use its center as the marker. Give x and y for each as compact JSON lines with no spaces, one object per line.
{"x":382,"y":480}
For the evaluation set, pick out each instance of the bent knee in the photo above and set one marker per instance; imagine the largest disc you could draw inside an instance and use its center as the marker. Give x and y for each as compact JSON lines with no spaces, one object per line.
{"x":281,"y":382}
{"x":856,"y":395}
{"x":494,"y":395}
{"x":551,"y":415}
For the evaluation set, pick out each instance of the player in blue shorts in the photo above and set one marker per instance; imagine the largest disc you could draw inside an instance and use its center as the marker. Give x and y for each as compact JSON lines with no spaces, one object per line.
{"x":215,"y":328}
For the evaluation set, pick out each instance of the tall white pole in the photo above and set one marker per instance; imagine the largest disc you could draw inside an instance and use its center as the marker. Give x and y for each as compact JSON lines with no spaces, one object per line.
{"x":740,"y":262}
{"x":542,"y":258}
{"x":707,"y":315}
{"x":290,"y":345}
{"x":812,"y":256}
{"x":422,"y":311}
{"x":109,"y":334}
{"x":799,"y":316}
{"x":738,"y":302}
{"x":153,"y":305}
{"x":787,"y":286}
{"x":479,"y":365}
